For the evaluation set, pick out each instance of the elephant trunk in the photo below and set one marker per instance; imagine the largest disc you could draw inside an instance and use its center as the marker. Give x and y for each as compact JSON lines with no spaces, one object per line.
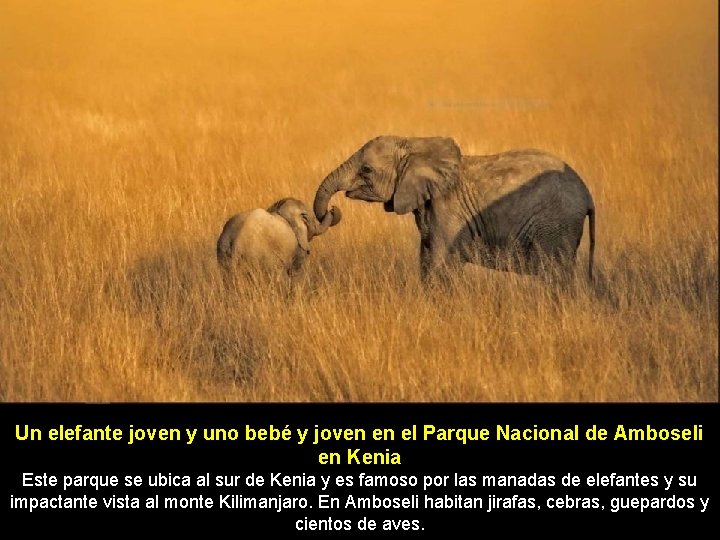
{"x":331,"y":219}
{"x":338,"y":180}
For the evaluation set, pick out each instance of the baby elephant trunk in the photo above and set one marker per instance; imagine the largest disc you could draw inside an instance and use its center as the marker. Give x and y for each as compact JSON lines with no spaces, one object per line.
{"x":331,"y":219}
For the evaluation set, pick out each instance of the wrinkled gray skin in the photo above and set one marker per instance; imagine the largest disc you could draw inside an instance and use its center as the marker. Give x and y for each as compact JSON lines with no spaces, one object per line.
{"x":274,"y":239}
{"x":505,"y":211}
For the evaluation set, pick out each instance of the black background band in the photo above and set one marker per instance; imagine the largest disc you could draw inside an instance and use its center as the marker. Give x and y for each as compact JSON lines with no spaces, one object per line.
{"x":581,"y":458}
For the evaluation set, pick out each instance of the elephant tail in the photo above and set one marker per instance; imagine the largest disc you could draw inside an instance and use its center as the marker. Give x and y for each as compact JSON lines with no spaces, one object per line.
{"x":224,"y":249}
{"x":591,"y":227}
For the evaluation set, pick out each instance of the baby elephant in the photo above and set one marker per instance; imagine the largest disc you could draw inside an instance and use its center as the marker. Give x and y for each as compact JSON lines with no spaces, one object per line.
{"x":276,"y":239}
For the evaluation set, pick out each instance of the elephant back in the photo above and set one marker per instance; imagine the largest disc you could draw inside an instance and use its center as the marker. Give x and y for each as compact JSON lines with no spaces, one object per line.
{"x":260,"y":239}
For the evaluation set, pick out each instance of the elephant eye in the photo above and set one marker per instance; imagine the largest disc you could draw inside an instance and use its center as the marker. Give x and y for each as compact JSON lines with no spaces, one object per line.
{"x":305,"y":217}
{"x":365,"y":170}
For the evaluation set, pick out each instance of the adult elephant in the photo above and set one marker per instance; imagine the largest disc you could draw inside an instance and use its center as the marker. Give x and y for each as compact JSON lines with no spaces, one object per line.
{"x":508,"y":211}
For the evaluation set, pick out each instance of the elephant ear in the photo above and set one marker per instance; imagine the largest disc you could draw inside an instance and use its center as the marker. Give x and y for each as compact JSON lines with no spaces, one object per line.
{"x":277,"y":205}
{"x":431,"y":169}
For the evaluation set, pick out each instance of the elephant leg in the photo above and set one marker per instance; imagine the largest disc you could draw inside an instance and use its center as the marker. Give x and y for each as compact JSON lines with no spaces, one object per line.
{"x":565,"y":268}
{"x":425,"y":261}
{"x":297,"y":261}
{"x":436,"y":264}
{"x":437,"y":259}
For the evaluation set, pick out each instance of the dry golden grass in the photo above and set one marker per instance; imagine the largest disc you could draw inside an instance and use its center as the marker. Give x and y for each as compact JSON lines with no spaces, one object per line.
{"x":129,"y":132}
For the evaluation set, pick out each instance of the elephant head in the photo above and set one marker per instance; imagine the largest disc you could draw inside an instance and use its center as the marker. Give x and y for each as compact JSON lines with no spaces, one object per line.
{"x":402,"y":173}
{"x":303,"y":223}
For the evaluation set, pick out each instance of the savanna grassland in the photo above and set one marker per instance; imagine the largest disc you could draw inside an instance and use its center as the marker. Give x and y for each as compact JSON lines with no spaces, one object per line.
{"x":130,"y":131}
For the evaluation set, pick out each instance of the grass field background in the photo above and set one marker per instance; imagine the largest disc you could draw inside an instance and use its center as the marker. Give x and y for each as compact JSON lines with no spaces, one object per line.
{"x":130,"y":131}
